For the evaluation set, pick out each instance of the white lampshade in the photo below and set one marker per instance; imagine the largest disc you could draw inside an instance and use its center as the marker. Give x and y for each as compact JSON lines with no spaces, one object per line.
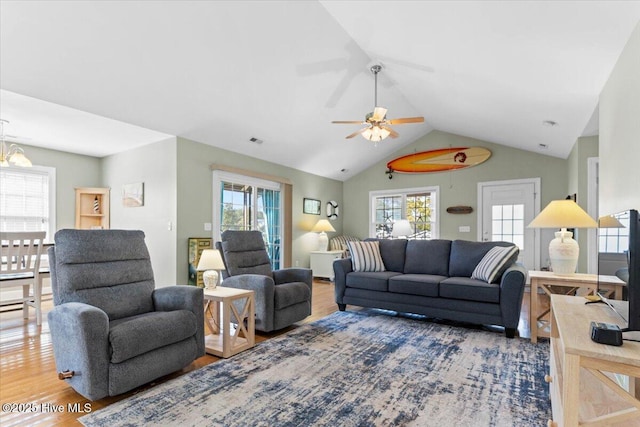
{"x":563,"y":250}
{"x":563,"y":214}
{"x":321,"y":228}
{"x":609,"y":222}
{"x":401,"y":227}
{"x":323,"y":225}
{"x":210,"y":262}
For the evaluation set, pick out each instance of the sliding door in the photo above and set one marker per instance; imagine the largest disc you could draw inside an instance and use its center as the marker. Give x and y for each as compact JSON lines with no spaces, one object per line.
{"x":247,"y":203}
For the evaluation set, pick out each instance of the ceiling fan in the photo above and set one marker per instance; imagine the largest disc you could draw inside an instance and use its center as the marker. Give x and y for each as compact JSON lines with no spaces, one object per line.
{"x":377,"y":125}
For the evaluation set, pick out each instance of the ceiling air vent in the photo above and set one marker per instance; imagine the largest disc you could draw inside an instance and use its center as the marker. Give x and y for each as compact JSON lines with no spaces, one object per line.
{"x":255,"y":140}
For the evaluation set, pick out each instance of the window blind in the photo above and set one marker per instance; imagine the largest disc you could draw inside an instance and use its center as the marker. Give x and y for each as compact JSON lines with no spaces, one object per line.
{"x":24,"y":199}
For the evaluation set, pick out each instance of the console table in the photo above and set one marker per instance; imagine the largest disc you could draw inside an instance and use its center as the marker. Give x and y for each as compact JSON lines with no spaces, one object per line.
{"x":584,"y":379}
{"x":551,"y":283}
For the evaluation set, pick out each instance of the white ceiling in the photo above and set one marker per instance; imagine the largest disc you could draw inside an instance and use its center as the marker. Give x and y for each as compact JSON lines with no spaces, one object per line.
{"x":221,"y":72}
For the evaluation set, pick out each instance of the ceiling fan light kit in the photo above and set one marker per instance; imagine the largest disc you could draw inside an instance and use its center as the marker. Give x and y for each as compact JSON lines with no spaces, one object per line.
{"x":377,"y":126}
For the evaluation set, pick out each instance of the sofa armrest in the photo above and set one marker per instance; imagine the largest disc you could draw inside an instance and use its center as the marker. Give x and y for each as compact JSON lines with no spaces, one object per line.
{"x":264,"y":289}
{"x":340,"y":269}
{"x":511,"y":292}
{"x":80,"y":336}
{"x":182,"y":297}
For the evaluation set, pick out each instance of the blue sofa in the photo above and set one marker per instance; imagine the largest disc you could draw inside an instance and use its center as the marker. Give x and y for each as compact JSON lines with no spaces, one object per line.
{"x":433,"y":278}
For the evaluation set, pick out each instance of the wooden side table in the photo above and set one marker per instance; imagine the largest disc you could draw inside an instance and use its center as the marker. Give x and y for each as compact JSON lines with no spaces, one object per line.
{"x":587,"y":379}
{"x":550,"y":283}
{"x":221,"y":342}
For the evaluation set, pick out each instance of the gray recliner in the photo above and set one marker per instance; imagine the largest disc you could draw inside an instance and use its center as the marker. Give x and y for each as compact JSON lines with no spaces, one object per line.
{"x":109,"y":325}
{"x":282,"y":296}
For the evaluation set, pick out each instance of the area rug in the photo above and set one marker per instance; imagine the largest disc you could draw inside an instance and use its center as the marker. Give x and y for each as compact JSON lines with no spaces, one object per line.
{"x":356,"y":369}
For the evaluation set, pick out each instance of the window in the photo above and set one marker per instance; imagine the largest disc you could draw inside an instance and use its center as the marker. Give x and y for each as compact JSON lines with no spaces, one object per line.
{"x":246,"y":203}
{"x":418,"y":205}
{"x":27,"y":199}
{"x":615,"y":240}
{"x":507,"y":224}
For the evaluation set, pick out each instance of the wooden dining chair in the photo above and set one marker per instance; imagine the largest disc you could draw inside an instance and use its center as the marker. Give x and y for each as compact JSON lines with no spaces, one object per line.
{"x":20,"y":267}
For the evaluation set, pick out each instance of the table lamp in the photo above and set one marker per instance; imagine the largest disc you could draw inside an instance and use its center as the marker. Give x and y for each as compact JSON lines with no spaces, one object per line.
{"x":401,"y":228}
{"x":322,"y":227}
{"x":563,"y":250}
{"x":211,"y":263}
{"x":609,"y":221}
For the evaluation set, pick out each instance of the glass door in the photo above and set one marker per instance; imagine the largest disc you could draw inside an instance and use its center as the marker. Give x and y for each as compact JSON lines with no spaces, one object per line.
{"x":246,"y":203}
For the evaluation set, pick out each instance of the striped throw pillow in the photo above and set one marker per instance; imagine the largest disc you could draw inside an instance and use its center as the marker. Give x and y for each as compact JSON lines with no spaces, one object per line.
{"x":494,"y":263}
{"x":365,"y":256}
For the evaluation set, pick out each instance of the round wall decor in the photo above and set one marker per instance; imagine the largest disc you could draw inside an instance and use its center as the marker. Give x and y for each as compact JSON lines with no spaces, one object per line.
{"x":332,"y":210}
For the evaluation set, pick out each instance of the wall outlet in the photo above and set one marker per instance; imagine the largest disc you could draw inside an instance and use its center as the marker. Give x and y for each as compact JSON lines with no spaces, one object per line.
{"x":207,"y":226}
{"x":464,"y":229}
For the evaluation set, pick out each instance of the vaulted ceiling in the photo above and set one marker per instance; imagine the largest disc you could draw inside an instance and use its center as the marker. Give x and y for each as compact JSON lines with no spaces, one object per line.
{"x":101,"y":77}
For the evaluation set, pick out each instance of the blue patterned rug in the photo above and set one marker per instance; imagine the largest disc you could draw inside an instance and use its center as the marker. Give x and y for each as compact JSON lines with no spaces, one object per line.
{"x":355,"y":369}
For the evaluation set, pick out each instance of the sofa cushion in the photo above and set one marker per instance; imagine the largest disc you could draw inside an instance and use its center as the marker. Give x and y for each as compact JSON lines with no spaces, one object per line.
{"x":428,"y":257}
{"x":136,"y":335}
{"x":374,"y":281}
{"x":415,"y":284}
{"x":465,"y":255}
{"x":288,"y":294}
{"x":465,"y":288}
{"x":495,"y":262}
{"x":365,"y":256}
{"x":393,"y":253}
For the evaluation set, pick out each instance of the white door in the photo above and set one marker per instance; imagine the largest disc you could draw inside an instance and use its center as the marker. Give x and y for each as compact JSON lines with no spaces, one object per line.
{"x":507,"y":207}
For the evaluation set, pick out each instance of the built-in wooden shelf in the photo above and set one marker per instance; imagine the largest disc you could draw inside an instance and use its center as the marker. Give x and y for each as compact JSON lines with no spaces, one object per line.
{"x":92,"y":208}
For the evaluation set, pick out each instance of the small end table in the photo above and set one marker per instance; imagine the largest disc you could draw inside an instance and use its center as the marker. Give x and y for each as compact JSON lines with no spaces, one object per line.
{"x":551,"y":283}
{"x":221,"y":342}
{"x":322,"y":263}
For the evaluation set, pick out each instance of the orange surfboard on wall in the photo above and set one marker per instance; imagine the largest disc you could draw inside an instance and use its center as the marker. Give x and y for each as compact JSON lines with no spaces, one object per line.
{"x":440,"y":160}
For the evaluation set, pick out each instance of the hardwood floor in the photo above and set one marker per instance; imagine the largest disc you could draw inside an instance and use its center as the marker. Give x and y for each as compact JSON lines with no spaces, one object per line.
{"x":28,"y":376}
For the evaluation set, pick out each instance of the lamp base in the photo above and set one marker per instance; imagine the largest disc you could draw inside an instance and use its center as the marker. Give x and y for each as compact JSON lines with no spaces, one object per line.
{"x":210,"y":279}
{"x":323,"y":241}
{"x":563,"y":253}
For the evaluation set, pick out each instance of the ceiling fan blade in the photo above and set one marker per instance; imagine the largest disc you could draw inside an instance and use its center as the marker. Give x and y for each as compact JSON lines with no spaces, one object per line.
{"x":378,"y":114}
{"x":392,"y":133}
{"x":348,"y":122}
{"x":356,"y":133}
{"x":405,"y":120}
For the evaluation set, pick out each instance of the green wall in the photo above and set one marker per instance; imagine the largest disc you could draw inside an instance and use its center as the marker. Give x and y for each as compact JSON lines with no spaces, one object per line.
{"x":195,"y":192}
{"x":456,"y":187}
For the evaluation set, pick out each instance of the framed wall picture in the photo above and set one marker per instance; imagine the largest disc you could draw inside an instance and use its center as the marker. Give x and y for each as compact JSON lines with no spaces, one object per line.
{"x":133,"y":195}
{"x":311,"y":206}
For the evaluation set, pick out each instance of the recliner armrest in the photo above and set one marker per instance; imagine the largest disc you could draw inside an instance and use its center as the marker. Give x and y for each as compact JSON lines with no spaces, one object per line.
{"x":264,"y":289}
{"x":288,"y":275}
{"x":80,"y":335}
{"x":183,"y":297}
